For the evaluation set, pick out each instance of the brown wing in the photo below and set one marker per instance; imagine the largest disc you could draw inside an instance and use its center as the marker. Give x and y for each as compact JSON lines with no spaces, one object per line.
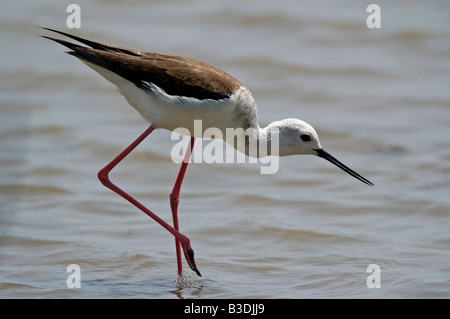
{"x":174,"y":74}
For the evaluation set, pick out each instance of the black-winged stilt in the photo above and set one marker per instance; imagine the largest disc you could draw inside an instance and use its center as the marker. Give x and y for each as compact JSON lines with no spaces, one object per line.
{"x":172,"y":92}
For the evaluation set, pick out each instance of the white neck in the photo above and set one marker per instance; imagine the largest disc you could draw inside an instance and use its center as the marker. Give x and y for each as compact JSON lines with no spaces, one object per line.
{"x":255,"y":141}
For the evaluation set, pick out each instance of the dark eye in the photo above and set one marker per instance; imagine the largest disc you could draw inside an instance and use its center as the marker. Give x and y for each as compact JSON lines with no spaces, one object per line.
{"x":305,"y":137}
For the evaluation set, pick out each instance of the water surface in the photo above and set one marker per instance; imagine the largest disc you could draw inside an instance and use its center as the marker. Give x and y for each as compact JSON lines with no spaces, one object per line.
{"x":379,"y":99}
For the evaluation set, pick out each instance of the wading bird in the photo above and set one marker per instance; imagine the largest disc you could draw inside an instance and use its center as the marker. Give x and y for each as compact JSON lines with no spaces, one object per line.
{"x":172,"y":92}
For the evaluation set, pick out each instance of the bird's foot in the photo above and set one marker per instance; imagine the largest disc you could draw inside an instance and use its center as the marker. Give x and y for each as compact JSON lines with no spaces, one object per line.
{"x":189,"y":255}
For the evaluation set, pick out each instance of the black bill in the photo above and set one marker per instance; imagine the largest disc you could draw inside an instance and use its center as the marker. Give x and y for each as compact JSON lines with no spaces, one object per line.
{"x":324,"y":154}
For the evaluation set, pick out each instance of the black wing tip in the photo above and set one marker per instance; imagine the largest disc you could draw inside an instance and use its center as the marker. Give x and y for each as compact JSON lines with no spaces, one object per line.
{"x":95,"y":45}
{"x":60,"y":32}
{"x":67,"y":44}
{"x":70,"y":45}
{"x":49,"y":29}
{"x":89,"y":43}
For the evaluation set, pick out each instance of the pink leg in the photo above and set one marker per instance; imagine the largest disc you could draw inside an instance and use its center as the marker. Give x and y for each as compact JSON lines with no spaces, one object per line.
{"x":175,"y":199}
{"x":103,"y":177}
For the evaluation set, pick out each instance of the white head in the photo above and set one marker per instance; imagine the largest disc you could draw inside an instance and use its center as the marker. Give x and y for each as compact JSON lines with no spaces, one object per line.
{"x":297,"y":137}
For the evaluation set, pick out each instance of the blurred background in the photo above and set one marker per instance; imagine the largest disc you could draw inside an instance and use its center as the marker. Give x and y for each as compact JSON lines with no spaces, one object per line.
{"x":379,"y":99}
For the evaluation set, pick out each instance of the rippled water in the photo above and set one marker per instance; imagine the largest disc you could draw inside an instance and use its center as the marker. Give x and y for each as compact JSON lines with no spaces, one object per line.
{"x":379,"y":99}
